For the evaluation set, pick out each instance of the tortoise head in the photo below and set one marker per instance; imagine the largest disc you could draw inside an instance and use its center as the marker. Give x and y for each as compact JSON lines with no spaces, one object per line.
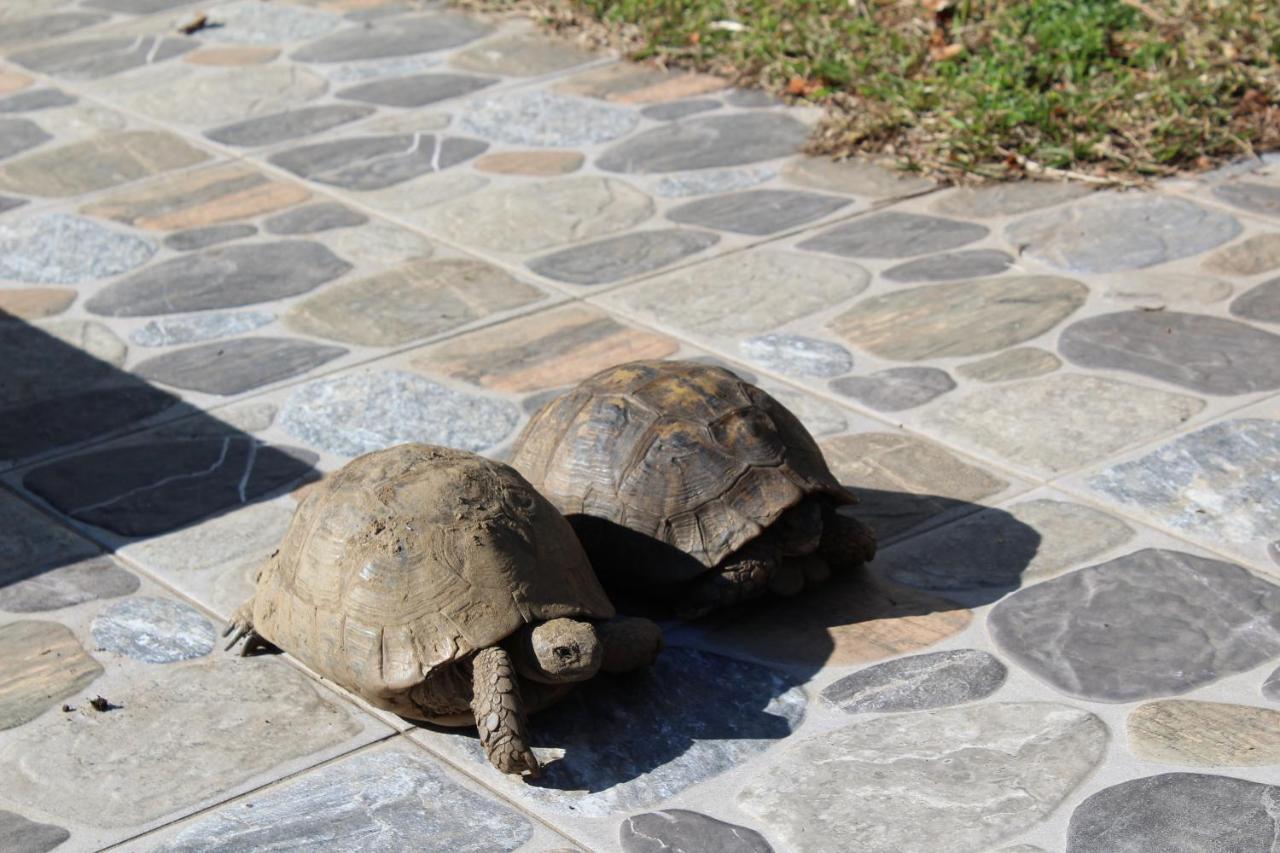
{"x":558,"y":651}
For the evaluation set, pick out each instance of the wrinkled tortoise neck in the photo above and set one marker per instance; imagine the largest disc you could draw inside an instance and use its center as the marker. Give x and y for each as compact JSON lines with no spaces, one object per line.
{"x":558,"y":651}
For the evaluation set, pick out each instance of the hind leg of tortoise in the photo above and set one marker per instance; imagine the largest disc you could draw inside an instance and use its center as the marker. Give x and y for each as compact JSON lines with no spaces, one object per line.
{"x":742,"y":576}
{"x":240,"y":627}
{"x":500,"y":713}
{"x":629,"y":642}
{"x":846,"y":542}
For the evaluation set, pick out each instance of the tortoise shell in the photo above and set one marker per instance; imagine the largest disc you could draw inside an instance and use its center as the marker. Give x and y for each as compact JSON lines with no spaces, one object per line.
{"x":685,"y":453}
{"x":411,"y":558}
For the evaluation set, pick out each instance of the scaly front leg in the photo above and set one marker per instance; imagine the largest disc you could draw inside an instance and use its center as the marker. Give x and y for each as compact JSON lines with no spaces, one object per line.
{"x":500,"y":714}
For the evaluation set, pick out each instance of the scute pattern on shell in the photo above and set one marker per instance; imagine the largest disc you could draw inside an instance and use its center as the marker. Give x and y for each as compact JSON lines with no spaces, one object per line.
{"x":683,"y":452}
{"x":411,"y":558}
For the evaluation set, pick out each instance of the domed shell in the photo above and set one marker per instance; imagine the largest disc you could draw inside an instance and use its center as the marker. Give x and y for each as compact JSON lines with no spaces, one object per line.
{"x":683,"y":452}
{"x":410,"y":558}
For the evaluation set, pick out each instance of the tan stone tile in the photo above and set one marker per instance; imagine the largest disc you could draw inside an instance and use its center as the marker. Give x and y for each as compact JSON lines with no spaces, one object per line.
{"x":96,"y":164}
{"x":12,"y":81}
{"x":1255,"y":255}
{"x":546,"y":350}
{"x":237,"y":55}
{"x":636,"y":84}
{"x":674,"y":89}
{"x":1205,"y":734}
{"x":32,"y":303}
{"x":204,"y":197}
{"x":40,"y":663}
{"x":530,"y":162}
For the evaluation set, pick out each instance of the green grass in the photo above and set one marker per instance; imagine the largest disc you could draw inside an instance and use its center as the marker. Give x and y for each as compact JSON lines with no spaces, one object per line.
{"x":989,"y":87}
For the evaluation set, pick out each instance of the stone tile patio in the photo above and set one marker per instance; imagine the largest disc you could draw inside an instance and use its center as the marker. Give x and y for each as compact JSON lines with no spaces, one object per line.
{"x":231,"y":261}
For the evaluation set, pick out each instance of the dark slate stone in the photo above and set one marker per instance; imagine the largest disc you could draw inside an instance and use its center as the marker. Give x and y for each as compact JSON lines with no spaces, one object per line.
{"x":416,"y":90}
{"x":633,"y":741}
{"x":103,"y":57}
{"x":396,"y":37}
{"x":210,"y":235}
{"x":8,"y":203}
{"x":58,"y":421}
{"x":375,"y":162}
{"x":44,"y":27}
{"x":324,"y":216}
{"x":19,"y":134}
{"x":234,"y":366}
{"x":895,"y":235}
{"x":38,"y":99}
{"x":390,"y":799}
{"x":1177,"y":813}
{"x":798,"y":355}
{"x":1207,"y":354}
{"x":33,"y":589}
{"x":1261,"y":303}
{"x":683,"y":831}
{"x":617,"y":258}
{"x":136,"y":7}
{"x":153,"y":630}
{"x":290,"y":124}
{"x":156,"y":486}
{"x":919,"y":682}
{"x":1152,"y":623}
{"x":702,"y":143}
{"x":223,"y":277}
{"x":971,"y":263}
{"x":896,"y":388}
{"x":679,"y":109}
{"x":1257,"y":198}
{"x":757,"y":212}
{"x":26,"y":836}
{"x":1271,"y":687}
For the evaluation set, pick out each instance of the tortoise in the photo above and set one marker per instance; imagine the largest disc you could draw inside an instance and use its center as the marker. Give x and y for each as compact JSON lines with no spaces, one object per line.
{"x":442,"y":587}
{"x":690,"y":485}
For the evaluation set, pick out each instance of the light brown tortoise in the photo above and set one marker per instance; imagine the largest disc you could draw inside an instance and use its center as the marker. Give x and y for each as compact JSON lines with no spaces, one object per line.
{"x":441,"y":586}
{"x":687,"y":483}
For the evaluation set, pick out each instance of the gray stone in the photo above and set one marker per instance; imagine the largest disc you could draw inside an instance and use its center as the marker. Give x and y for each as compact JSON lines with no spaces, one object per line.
{"x":1007,"y":199}
{"x":211,"y":235}
{"x":683,"y":831}
{"x":58,"y":248}
{"x":630,"y":743}
{"x":819,"y":417}
{"x":158,"y":485}
{"x":223,"y":277}
{"x":65,"y":586}
{"x":1271,"y":687}
{"x":679,"y":109}
{"x":1261,"y":303}
{"x":1220,"y":483}
{"x":250,"y":417}
{"x":254,"y":715}
{"x":984,"y":555}
{"x":616,"y":258}
{"x":918,"y":683}
{"x":971,"y":263}
{"x":533,"y":216}
{"x":895,"y":235}
{"x":154,"y":630}
{"x":1177,"y":813}
{"x":1108,"y":232}
{"x":392,"y":799}
{"x":377,"y":162}
{"x":711,"y":141}
{"x":1251,"y":256}
{"x":1062,"y":421}
{"x":8,"y":203}
{"x":957,"y":779}
{"x":26,"y":836}
{"x":417,"y":90}
{"x":372,"y":69}
{"x":545,"y":119}
{"x":170,"y":331}
{"x":1016,"y":363}
{"x":856,"y":176}
{"x":797,"y":355}
{"x":290,"y":124}
{"x":41,"y":27}
{"x":101,"y":57}
{"x":1207,"y":354}
{"x":242,"y":535}
{"x":705,"y":181}
{"x":235,"y":366}
{"x":752,"y":98}
{"x":19,"y":134}
{"x":360,"y":412}
{"x":745,"y":293}
{"x":222,"y":96}
{"x":757,"y":212}
{"x":964,"y":318}
{"x":896,"y":388}
{"x":1255,"y":198}
{"x":135,"y":7}
{"x":1155,"y":291}
{"x":254,"y":22}
{"x":36,"y":99}
{"x":323,"y":216}
{"x":40,"y":664}
{"x":400,"y":36}
{"x":744,"y":375}
{"x":1152,"y":623}
{"x":522,"y":54}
